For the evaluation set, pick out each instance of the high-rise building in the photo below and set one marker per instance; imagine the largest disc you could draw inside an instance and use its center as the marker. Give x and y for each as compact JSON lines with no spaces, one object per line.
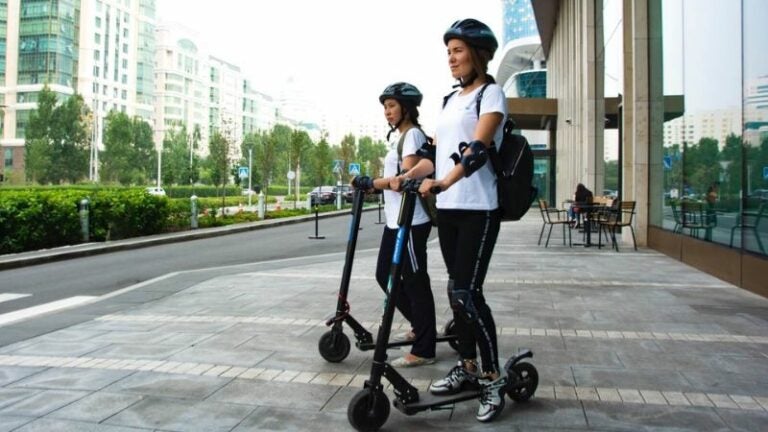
{"x":100,"y":49}
{"x":521,"y":70}
{"x":181,"y":82}
{"x":40,"y":47}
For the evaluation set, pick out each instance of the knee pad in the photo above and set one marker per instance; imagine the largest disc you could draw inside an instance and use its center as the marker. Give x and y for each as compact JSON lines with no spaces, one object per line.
{"x":476,"y":160}
{"x":463,"y":303}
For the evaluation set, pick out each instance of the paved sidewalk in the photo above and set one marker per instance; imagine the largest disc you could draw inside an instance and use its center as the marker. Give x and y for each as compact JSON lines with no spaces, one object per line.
{"x":622,"y":341}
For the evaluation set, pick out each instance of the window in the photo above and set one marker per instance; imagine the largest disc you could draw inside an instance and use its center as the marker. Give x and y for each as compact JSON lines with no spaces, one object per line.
{"x":98,"y":22}
{"x":97,"y":38}
{"x":95,"y":71}
{"x":96,"y":55}
{"x":8,"y":158}
{"x":124,"y":79}
{"x":124,"y":95}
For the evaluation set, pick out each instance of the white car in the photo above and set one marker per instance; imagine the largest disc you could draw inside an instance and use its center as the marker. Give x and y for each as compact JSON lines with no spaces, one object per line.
{"x":156,"y":191}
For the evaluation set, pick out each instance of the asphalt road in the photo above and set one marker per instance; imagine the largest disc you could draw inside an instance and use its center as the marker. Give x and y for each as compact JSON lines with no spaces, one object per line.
{"x":101,"y":274}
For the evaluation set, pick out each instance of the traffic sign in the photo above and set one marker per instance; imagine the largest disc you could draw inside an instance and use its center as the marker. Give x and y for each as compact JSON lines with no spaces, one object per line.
{"x":242,"y":172}
{"x":337,"y":166}
{"x":354,"y":169}
{"x":667,"y":162}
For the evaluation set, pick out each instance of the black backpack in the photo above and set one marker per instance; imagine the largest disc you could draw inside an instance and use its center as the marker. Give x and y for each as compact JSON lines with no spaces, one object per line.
{"x":430,"y":202}
{"x":513,"y":165}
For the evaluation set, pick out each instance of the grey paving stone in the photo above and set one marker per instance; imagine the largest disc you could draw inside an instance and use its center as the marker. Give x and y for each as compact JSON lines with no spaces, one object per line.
{"x":95,"y":407}
{"x":282,"y":395}
{"x":9,"y":423}
{"x":138,"y":351}
{"x":176,"y":415}
{"x":741,"y":382}
{"x":59,"y":348}
{"x":741,"y":420}
{"x":43,"y":402}
{"x":129,"y":337}
{"x":631,"y":378}
{"x":240,"y":356}
{"x":193,"y":387}
{"x":638,"y":417}
{"x":10,"y":396}
{"x":11,"y":374}
{"x":72,"y":379}
{"x":48,"y":425}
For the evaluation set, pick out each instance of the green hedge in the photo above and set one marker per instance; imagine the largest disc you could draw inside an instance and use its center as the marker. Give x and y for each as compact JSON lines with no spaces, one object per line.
{"x":41,"y":219}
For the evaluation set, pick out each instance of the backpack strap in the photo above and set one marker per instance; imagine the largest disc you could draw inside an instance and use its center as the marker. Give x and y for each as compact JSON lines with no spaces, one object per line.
{"x":400,"y":148}
{"x":479,"y":98}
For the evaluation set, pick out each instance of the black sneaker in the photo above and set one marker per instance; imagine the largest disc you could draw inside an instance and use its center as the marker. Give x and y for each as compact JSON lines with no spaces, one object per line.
{"x":454,"y":382}
{"x":491,"y":398}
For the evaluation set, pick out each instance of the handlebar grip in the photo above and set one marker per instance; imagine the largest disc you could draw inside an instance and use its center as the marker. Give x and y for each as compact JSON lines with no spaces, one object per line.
{"x":435,"y":190}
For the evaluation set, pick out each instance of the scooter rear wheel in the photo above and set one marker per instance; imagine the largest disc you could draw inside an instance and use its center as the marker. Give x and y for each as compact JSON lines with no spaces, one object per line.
{"x":334,"y":346}
{"x":450,"y":330}
{"x":368,"y":410}
{"x":526,"y":374}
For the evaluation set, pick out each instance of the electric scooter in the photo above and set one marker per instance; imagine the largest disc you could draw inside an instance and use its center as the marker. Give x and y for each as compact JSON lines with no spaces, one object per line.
{"x":334,"y":345}
{"x":369,"y":408}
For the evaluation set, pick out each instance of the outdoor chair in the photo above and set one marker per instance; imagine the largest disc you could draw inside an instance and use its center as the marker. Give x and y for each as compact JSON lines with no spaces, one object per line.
{"x":694,"y":217}
{"x":750,"y":221}
{"x":552,"y":216}
{"x":678,"y":229}
{"x":618,"y":218}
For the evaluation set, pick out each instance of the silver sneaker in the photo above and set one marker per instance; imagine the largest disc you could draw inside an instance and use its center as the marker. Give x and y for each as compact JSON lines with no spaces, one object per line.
{"x":491,"y":398}
{"x":454,"y":382}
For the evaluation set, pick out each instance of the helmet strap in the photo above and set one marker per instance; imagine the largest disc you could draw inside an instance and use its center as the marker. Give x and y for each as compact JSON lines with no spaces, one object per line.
{"x":468,"y":81}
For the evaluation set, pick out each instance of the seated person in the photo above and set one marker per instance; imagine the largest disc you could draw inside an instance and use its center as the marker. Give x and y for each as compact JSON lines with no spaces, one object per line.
{"x":582,"y":196}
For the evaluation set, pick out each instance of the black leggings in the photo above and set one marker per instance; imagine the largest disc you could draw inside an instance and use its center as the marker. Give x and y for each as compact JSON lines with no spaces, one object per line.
{"x":467,"y":239}
{"x":415,"y":301}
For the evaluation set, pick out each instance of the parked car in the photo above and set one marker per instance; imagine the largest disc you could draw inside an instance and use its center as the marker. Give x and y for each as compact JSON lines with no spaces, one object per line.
{"x":156,"y":191}
{"x":322,"y":195}
{"x":759,"y":194}
{"x":347,"y":192}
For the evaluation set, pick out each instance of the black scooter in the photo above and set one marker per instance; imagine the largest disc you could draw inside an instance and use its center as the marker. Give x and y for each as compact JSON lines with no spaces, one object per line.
{"x":334,"y":345}
{"x":369,"y":408}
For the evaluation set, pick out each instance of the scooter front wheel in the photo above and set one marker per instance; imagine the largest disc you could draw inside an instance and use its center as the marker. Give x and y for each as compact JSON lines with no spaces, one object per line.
{"x":524,"y":379}
{"x":368,"y":410}
{"x":450,"y":330}
{"x":334,"y":346}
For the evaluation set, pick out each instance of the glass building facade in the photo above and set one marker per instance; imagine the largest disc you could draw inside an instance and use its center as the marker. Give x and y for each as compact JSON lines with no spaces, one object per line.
{"x":519,"y":21}
{"x":710,"y":180}
{"x":47,"y":42}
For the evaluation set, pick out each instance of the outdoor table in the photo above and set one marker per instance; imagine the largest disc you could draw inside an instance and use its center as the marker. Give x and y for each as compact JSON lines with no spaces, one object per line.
{"x":586,"y":211}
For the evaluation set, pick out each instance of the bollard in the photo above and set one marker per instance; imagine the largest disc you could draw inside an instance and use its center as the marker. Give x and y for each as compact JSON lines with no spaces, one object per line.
{"x":193,"y":212}
{"x":317,"y":218}
{"x":84,"y":218}
{"x":261,"y":205}
{"x":381,"y":197}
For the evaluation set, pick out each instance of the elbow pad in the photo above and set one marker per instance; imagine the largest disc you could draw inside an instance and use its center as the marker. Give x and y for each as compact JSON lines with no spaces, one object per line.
{"x":476,"y":160}
{"x":427,"y":151}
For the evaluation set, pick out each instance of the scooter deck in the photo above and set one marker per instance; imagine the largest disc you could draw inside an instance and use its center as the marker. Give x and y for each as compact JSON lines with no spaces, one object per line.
{"x":428,"y":401}
{"x":365,"y":346}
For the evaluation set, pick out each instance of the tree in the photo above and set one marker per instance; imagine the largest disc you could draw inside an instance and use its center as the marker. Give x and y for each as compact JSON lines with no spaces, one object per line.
{"x":176,"y":156}
{"x":59,"y":139}
{"x":371,"y":154}
{"x":70,"y":141}
{"x":347,"y":152}
{"x":300,"y":144}
{"x":118,"y":161}
{"x":38,"y":150}
{"x":319,"y":168}
{"x":218,"y":148}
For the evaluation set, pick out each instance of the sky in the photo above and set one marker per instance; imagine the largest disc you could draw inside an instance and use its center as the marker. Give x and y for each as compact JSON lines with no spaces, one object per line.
{"x":342,"y":53}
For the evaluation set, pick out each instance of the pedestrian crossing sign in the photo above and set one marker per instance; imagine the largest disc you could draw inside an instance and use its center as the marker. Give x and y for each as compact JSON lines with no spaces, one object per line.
{"x":337,"y":164}
{"x":354,"y":169}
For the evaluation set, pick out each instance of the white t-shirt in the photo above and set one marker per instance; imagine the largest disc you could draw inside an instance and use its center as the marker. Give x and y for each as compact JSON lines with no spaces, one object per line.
{"x":456,"y":124}
{"x":414,"y":139}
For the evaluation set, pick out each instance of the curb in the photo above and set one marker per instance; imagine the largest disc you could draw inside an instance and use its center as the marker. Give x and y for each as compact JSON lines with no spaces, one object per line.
{"x":24,"y":259}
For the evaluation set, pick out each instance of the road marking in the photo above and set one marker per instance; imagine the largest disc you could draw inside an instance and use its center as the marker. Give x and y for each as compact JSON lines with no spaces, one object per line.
{"x":502,"y":331}
{"x":545,"y":391}
{"x":44,"y":308}
{"x":12,"y":296}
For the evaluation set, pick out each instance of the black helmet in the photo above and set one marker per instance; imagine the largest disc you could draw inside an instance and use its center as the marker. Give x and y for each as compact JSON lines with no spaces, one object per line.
{"x":403,"y":93}
{"x":474,"y":33}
